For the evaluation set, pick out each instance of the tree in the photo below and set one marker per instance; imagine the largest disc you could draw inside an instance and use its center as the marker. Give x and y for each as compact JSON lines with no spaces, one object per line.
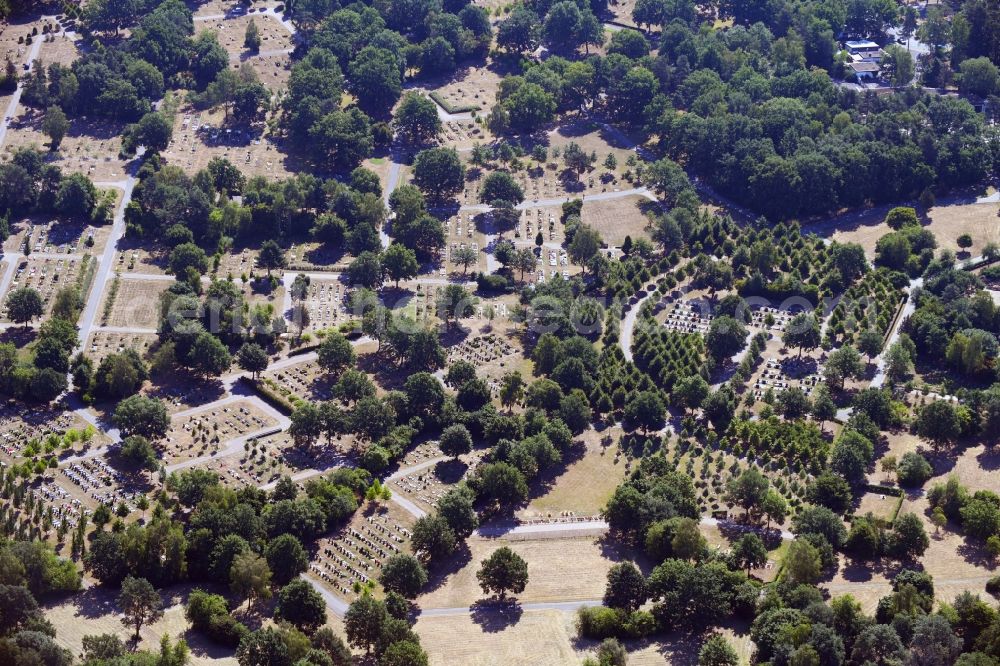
{"x":726,"y":336}
{"x":831,"y":491}
{"x":749,"y":552}
{"x":140,"y":603}
{"x":774,"y":507}
{"x":24,"y":304}
{"x":455,"y":440}
{"x":364,"y":622}
{"x":335,"y":354}
{"x":139,"y":415}
{"x":252,"y":358}
{"x":980,"y":77}
{"x":939,"y":423}
{"x":271,"y":256}
{"x":823,"y":407}
{"x":208,"y":355}
{"x":626,"y":587}
{"x":251,"y":37}
{"x":139,"y":452}
{"x":434,"y":537}
{"x":55,"y":125}
{"x":842,"y":364}
{"x":691,"y":391}
{"x":403,"y":574}
{"x":400,"y":263}
{"x":404,"y":653}
{"x":301,"y":605}
{"x":520,"y":32}
{"x":264,"y":647}
{"x":585,"y":244}
{"x":511,"y":389}
{"x":747,"y":490}
{"x":501,"y":483}
{"x":802,"y":332}
{"x":909,"y":539}
{"x":716,"y":651}
{"x":286,"y":558}
{"x":501,"y":186}
{"x":933,"y":642}
{"x":645,"y":410}
{"x":898,"y":65}
{"x":502,"y":572}
{"x":416,"y":119}
{"x":870,"y":343}
{"x":439,"y":172}
{"x":913,"y":470}
{"x":802,"y":563}
{"x":465,"y":256}
{"x":250,"y":577}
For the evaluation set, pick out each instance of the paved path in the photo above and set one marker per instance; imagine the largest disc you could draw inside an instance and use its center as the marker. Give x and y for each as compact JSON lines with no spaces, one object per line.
{"x":537,"y":529}
{"x":15,"y":99}
{"x":629,"y":321}
{"x":908,"y":309}
{"x":107,"y":258}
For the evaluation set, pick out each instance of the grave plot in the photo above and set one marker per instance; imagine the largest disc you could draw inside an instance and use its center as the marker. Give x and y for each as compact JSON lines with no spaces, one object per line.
{"x":779,"y":375}
{"x":326,"y":303}
{"x":687,"y":317}
{"x":46,"y":276}
{"x":46,"y":236}
{"x":132,"y":304}
{"x":103,"y":343}
{"x":617,"y":218}
{"x":95,"y":482}
{"x":312,"y":256}
{"x":475,"y":90}
{"x":770,"y":319}
{"x":143,"y":261}
{"x":880,"y":505}
{"x":231,"y":33}
{"x":349,"y":561}
{"x":17,"y":38}
{"x":91,"y":146}
{"x":200,"y":135}
{"x":493,"y":355}
{"x":462,"y":134}
{"x":426,"y":485}
{"x":261,"y":462}
{"x":304,"y":381}
{"x":544,"y":220}
{"x":192,"y":435}
{"x":42,"y":432}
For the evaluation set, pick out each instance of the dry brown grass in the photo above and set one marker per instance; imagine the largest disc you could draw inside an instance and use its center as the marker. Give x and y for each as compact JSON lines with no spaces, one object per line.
{"x":587,"y":483}
{"x":136,"y":304}
{"x":90,"y":147}
{"x":558,"y":570}
{"x":103,"y":343}
{"x":617,"y":218}
{"x":946,"y":222}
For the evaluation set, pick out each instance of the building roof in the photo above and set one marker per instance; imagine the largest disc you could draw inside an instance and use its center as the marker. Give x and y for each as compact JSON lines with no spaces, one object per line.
{"x":861,"y":67}
{"x":861,"y":44}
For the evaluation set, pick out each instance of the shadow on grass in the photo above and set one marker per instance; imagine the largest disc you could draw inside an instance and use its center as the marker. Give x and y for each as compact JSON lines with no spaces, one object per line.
{"x":494,"y":615}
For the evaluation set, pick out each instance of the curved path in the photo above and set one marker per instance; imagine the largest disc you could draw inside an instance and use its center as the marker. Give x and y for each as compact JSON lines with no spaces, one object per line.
{"x":629,"y":321}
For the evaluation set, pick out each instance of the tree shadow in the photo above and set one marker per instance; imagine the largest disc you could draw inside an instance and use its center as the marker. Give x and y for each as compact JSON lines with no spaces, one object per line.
{"x":495,"y":615}
{"x":975,"y":552}
{"x":441,"y":571}
{"x":449,"y":471}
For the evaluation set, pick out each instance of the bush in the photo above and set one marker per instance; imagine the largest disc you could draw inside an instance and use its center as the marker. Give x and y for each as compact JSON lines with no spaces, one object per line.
{"x":226,"y":630}
{"x":913,"y":470}
{"x":598,"y":622}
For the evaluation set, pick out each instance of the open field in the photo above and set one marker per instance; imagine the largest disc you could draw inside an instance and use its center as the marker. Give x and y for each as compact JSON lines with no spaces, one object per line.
{"x":136,"y":304}
{"x":588,"y":481}
{"x":558,"y":570}
{"x":946,"y":222}
{"x":617,"y":218}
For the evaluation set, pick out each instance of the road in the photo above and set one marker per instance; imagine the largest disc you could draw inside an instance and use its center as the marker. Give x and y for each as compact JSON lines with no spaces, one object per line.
{"x":629,"y":322}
